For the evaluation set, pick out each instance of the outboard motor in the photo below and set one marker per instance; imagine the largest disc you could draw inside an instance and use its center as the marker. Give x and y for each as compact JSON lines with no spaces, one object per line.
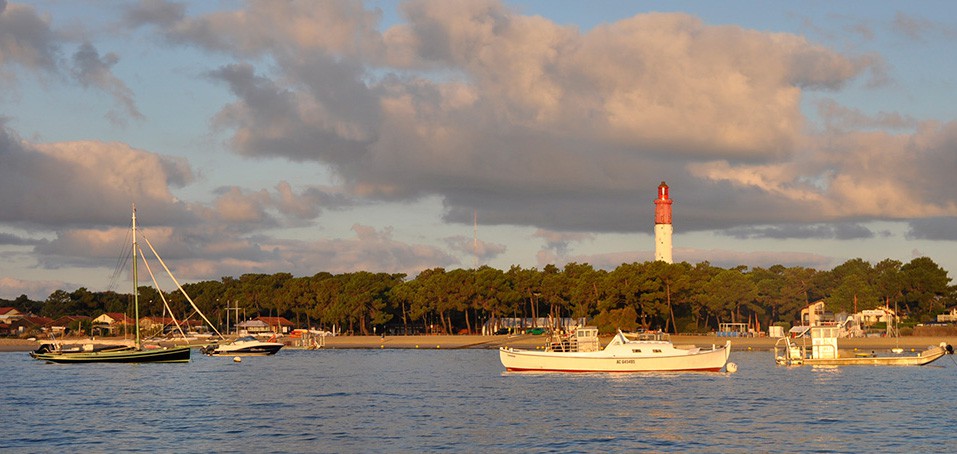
{"x":950,"y":349}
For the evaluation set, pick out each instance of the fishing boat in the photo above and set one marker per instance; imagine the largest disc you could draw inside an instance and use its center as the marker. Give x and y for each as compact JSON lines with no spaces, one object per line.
{"x":244,"y":346}
{"x":137,"y":354}
{"x":582,"y":352}
{"x":823,"y":351}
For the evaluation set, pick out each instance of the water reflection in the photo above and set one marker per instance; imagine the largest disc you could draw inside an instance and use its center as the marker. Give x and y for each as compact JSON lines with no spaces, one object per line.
{"x":431,"y":400}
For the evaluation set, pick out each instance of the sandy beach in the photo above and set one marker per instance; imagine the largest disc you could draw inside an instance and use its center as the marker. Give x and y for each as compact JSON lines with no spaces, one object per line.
{"x":916,"y":343}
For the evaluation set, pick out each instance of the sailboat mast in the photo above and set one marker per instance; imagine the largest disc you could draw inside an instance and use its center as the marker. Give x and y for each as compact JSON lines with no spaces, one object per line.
{"x":136,"y":295}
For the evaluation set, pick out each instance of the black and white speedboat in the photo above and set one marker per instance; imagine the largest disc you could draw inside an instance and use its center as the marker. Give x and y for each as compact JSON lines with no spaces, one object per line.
{"x":243,"y":346}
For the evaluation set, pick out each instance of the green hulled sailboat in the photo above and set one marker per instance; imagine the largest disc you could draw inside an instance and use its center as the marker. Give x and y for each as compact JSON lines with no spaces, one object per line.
{"x":136,"y":354}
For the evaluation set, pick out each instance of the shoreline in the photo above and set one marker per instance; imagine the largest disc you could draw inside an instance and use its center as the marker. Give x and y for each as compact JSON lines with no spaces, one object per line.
{"x":531,"y":341}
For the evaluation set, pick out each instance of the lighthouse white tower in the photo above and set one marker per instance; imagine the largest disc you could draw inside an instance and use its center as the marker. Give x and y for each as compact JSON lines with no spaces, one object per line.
{"x":663,"y":229}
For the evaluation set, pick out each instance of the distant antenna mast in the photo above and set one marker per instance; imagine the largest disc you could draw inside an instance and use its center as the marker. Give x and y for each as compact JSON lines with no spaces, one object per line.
{"x":475,"y":237}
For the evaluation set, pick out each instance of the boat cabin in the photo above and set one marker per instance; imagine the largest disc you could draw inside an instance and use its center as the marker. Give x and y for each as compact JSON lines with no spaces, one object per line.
{"x":654,"y":336}
{"x":584,"y":339}
{"x":824,"y":342}
{"x":823,"y":351}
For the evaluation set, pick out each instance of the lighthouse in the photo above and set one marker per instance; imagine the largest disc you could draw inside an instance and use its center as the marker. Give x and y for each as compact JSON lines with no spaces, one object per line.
{"x":663,"y":228}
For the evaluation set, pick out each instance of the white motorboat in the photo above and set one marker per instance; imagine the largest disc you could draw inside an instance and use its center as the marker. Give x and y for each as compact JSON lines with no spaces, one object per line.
{"x":244,"y":346}
{"x":582,"y":352}
{"x":823,"y":351}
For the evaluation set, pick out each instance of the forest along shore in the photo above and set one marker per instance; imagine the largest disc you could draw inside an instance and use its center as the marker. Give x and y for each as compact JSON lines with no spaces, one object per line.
{"x":917,"y":343}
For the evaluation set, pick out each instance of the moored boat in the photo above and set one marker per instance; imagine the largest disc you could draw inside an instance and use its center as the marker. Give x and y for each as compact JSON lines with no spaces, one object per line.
{"x":824,"y":351}
{"x":244,"y":346}
{"x":134,"y":354}
{"x":55,"y":347}
{"x":130,"y":355}
{"x":582,"y":352}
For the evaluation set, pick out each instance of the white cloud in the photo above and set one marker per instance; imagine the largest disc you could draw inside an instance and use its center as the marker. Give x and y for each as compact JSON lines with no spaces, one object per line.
{"x":471,"y":101}
{"x":84,"y":182}
{"x":26,"y":39}
{"x":532,"y":122}
{"x":12,"y":288}
{"x":477,"y":249}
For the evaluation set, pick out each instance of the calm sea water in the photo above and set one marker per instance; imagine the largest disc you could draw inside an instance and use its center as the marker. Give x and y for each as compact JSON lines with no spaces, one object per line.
{"x":463,"y":401}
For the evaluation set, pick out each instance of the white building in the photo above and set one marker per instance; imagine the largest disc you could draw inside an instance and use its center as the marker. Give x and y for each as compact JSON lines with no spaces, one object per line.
{"x":949,"y":317}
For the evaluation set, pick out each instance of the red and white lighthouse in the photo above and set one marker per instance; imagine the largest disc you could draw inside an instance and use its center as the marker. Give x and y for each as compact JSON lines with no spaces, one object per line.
{"x":663,"y":229}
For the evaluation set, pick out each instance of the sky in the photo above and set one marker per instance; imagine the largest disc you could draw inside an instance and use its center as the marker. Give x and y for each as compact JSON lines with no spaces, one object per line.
{"x":336,"y":136}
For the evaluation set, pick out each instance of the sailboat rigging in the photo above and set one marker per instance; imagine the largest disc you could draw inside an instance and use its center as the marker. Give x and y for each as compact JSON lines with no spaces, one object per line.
{"x":137,"y":354}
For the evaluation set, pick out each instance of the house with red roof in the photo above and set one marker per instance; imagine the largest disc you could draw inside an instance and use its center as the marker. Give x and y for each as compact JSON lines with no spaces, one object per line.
{"x":69,"y":324}
{"x":8,"y":314}
{"x":167,"y":324}
{"x":277,"y":325}
{"x":112,"y":324}
{"x":155,"y":324}
{"x":30,"y":325}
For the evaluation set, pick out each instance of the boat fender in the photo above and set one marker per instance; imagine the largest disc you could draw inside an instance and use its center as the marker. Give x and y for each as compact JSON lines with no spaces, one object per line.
{"x":731,"y":367}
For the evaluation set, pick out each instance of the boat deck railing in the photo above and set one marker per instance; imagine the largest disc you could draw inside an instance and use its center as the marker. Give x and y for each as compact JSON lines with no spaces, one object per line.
{"x":567,"y":344}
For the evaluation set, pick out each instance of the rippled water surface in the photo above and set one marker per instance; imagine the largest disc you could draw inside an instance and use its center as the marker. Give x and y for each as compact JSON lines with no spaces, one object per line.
{"x":461,"y":400}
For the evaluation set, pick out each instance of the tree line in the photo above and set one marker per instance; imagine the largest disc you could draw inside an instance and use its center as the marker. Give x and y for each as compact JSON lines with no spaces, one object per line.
{"x":678,"y":297}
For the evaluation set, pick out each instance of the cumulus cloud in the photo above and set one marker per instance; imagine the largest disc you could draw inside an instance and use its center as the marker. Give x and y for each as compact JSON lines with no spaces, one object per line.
{"x":559,"y":241}
{"x":855,"y":175}
{"x":494,"y":110}
{"x":938,"y":228}
{"x":489,"y":108}
{"x":88,"y":182}
{"x":265,"y":27}
{"x":605,"y":261}
{"x":79,"y":193}
{"x":155,"y":12}
{"x":11,"y":288}
{"x":840,"y":231}
{"x":9,"y":239}
{"x":557,"y":245}
{"x":844,"y":118}
{"x":90,"y":69}
{"x":723,"y":258}
{"x":919,"y":28}
{"x":480,"y":250}
{"x":29,"y":42}
{"x":730,"y":258}
{"x":532,"y":122}
{"x":283,"y":207}
{"x":26,"y":39}
{"x":293,"y":125}
{"x":370,"y":249}
{"x":83,"y":247}
{"x":209,"y":251}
